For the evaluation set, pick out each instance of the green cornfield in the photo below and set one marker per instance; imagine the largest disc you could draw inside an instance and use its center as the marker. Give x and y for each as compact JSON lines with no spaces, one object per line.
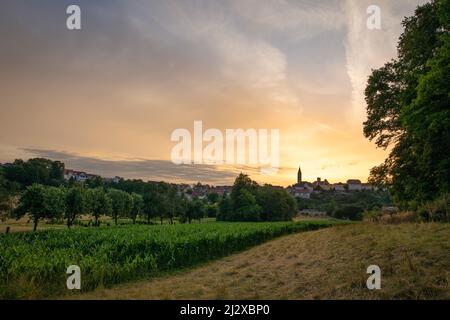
{"x":33,"y":265}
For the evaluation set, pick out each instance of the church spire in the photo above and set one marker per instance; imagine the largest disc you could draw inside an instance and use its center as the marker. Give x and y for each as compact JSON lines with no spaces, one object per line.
{"x":299,"y":175}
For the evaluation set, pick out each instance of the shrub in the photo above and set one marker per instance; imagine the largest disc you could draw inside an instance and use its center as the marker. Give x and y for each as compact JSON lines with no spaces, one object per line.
{"x":436,"y":210}
{"x":349,"y":213}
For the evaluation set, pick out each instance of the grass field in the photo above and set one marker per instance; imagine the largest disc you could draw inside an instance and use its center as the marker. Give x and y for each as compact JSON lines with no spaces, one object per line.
{"x":324,"y":264}
{"x":25,"y":224}
{"x":33,"y":265}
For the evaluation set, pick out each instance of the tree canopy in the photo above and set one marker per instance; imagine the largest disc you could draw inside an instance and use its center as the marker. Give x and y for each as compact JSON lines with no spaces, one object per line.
{"x":408,"y":109}
{"x":249,"y":201}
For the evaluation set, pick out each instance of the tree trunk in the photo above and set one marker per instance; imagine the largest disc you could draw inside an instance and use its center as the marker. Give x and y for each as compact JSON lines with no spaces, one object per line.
{"x":148,"y":219}
{"x":161,"y":220}
{"x":35,"y":224}
{"x":171,"y":220}
{"x":96,"y":221}
{"x":70,"y":221}
{"x":115,"y":219}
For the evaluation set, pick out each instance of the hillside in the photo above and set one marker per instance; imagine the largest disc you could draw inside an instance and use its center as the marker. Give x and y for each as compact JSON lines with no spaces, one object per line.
{"x":325,"y":264}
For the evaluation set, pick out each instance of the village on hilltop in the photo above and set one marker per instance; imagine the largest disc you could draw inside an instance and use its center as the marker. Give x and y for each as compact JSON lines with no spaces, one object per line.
{"x":302,"y":189}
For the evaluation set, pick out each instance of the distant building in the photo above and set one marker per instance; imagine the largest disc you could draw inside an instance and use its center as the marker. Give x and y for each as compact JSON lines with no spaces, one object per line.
{"x":201,"y":191}
{"x":304,"y":189}
{"x":323,"y":185}
{"x":78,"y":176}
{"x":367,"y":187}
{"x":339,"y":187}
{"x":301,"y":189}
{"x":221,"y":190}
{"x":298,"y":192}
{"x":354,"y":185}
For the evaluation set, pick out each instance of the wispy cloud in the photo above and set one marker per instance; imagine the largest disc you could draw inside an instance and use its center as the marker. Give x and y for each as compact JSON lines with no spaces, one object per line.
{"x":151,"y":170}
{"x":369,"y":49}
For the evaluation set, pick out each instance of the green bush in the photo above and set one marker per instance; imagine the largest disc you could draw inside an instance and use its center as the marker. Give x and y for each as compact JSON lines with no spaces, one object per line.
{"x":436,"y":210}
{"x":349,"y":213}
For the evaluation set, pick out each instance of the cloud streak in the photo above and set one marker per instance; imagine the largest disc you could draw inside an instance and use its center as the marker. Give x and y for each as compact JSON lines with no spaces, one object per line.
{"x":370,"y":49}
{"x":151,"y":170}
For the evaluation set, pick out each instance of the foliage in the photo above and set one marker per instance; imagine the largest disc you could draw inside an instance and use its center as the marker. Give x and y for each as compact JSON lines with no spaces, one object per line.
{"x":250,"y":202}
{"x":349,"y":213}
{"x":40,"y":171}
{"x":213,"y":197}
{"x":121,"y":203}
{"x":276,"y":204}
{"x":195,"y":210}
{"x":41,"y":202}
{"x":138,"y":206}
{"x":99,"y":203}
{"x":76,"y":204}
{"x":436,"y":210}
{"x":408,"y":108}
{"x":211,"y":211}
{"x":5,"y":198}
{"x":331,"y":202}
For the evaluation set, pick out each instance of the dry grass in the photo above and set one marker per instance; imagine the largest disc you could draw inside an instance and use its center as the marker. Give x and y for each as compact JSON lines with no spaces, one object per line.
{"x":324,"y":264}
{"x":25,"y":225}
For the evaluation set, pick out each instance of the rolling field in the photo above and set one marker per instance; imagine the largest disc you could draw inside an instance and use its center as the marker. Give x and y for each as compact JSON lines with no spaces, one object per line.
{"x":33,"y":265}
{"x":324,"y":264}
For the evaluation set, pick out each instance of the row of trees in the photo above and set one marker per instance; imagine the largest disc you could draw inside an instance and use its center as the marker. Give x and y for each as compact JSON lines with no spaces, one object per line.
{"x":42,"y":192}
{"x":249,"y":201}
{"x":47,"y":202}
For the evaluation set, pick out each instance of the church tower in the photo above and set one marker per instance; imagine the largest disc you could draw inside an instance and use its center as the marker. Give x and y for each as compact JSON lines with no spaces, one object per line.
{"x":299,"y":176}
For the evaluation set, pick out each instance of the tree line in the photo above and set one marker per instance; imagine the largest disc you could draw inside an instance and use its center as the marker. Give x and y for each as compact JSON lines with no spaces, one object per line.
{"x":42,"y":192}
{"x":48,"y":202}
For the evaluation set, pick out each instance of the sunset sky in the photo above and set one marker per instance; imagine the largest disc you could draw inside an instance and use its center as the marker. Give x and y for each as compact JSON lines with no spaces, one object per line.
{"x":105,"y":99}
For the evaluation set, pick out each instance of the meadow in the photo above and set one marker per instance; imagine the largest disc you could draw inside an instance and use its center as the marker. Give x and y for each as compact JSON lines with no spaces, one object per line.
{"x":325,"y":264}
{"x":33,"y":265}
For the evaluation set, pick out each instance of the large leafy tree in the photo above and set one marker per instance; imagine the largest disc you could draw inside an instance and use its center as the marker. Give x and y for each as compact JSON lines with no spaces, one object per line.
{"x":150,"y":205}
{"x":99,"y":203}
{"x":41,"y":202}
{"x":122,"y":204}
{"x":76,"y":203}
{"x":195,"y":209}
{"x":250,"y":202}
{"x":276,"y":204}
{"x":138,"y":206}
{"x":408,"y":106}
